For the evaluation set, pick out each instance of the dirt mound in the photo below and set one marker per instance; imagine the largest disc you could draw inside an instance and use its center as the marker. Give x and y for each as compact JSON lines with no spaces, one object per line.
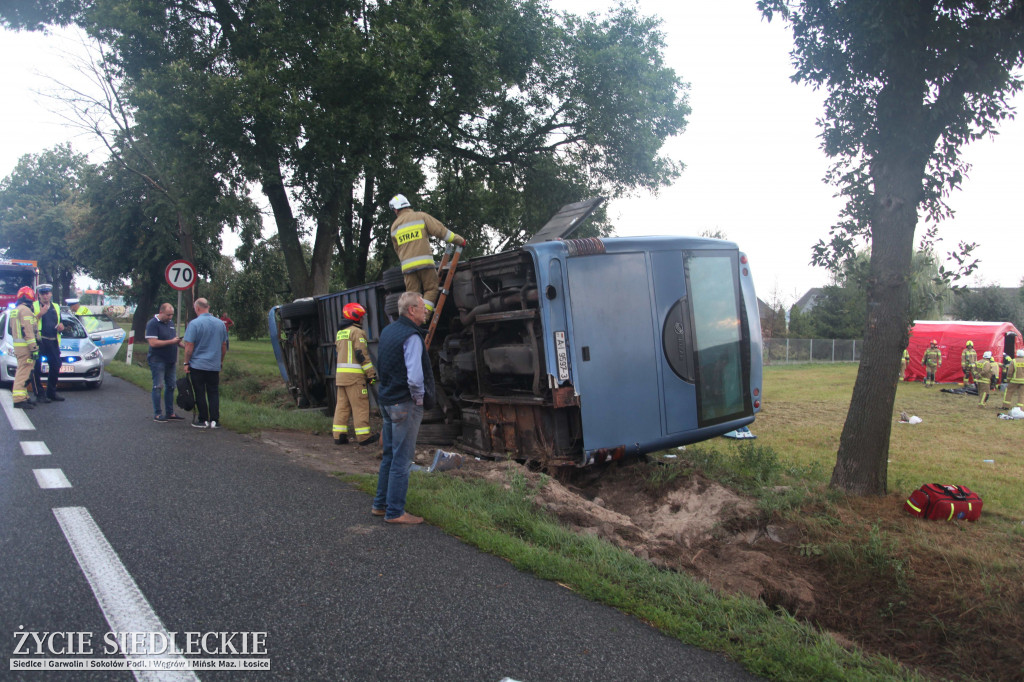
{"x":690,"y":524}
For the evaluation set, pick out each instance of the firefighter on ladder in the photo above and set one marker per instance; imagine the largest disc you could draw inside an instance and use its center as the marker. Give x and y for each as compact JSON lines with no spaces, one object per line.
{"x":23,"y":331}
{"x":410,"y":235}
{"x":354,"y":369}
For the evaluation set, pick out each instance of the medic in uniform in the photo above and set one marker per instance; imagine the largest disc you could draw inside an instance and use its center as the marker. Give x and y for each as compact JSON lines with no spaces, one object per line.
{"x":23,"y":331}
{"x":932,"y":360}
{"x":353,"y":371}
{"x":968,"y":360}
{"x":410,"y":234}
{"x":1014,"y":395}
{"x":986,"y":377}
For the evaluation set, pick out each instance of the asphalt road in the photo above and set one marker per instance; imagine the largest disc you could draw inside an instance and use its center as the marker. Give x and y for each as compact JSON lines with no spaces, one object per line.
{"x":170,"y":529}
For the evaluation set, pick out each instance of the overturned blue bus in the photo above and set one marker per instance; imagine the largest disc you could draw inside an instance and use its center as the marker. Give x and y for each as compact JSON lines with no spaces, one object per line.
{"x":566,"y":351}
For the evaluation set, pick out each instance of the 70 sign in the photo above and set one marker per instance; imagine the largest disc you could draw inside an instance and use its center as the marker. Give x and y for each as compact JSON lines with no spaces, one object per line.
{"x":180,"y":275}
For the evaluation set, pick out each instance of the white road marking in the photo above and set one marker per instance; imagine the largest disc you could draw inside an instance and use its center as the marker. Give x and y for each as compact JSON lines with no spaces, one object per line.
{"x":51,"y":478}
{"x":34,"y":447}
{"x":16,"y":416}
{"x":122,"y":603}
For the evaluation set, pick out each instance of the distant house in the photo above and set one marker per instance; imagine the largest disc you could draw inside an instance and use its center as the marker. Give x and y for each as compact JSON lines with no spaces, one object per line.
{"x":807,"y":302}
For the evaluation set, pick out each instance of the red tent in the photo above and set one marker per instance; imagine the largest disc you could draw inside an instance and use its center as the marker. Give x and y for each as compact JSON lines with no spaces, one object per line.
{"x":1002,"y":338}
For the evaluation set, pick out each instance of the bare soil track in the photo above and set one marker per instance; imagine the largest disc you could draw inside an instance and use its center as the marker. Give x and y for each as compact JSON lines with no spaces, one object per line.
{"x":696,"y":525}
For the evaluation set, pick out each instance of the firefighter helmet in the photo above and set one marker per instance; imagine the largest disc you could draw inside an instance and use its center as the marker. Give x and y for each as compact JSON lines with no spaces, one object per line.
{"x":1020,"y":352}
{"x":399,"y":202}
{"x":970,"y":344}
{"x":353,"y":311}
{"x":987,"y":355}
{"x":934,"y":342}
{"x":26,"y":292}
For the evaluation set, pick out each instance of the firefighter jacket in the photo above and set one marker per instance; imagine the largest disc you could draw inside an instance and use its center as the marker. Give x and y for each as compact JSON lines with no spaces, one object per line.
{"x":906,"y":355}
{"x":411,"y":232}
{"x":985,"y":371}
{"x":23,"y":328}
{"x":1016,"y":373}
{"x":969,"y":358}
{"x":354,"y":364}
{"x":932,"y":357}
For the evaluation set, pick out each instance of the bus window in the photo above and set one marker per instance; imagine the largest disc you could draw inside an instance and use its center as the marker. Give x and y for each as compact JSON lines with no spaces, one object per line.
{"x":722,"y":377}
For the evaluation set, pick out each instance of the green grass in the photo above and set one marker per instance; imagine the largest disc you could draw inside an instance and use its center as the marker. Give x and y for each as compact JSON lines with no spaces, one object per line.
{"x":869,"y":544}
{"x":252,"y":397}
{"x":502,"y":520}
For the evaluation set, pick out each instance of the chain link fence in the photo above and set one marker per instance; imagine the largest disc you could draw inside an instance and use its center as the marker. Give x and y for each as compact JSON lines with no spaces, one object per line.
{"x":782,"y":351}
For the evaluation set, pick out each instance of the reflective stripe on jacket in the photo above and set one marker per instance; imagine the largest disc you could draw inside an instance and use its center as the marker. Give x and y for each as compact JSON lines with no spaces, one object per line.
{"x":410,"y":235}
{"x":350,"y":343}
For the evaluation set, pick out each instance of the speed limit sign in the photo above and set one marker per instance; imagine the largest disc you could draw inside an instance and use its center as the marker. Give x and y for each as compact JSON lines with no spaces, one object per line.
{"x":180,"y":275}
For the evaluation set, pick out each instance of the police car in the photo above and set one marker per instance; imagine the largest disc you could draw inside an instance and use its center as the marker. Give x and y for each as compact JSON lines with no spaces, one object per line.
{"x":82,"y":353}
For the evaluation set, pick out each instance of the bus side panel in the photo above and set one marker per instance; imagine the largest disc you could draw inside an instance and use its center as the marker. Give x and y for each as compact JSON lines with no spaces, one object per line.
{"x":614,"y":349}
{"x":680,"y":402}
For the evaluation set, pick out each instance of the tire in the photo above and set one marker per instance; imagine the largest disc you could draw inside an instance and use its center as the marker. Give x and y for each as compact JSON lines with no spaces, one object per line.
{"x":304,"y":307}
{"x":394,"y":280}
{"x":93,"y":385}
{"x":438,"y":434}
{"x":391,"y":304}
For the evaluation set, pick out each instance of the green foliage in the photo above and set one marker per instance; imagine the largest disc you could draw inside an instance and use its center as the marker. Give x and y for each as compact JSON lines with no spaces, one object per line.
{"x":261,"y":284}
{"x":492,"y":113}
{"x":41,"y":206}
{"x":907,"y":85}
{"x":990,"y":304}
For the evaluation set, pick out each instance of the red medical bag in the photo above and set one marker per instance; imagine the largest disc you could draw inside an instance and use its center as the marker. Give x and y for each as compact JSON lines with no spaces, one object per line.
{"x":944,"y":502}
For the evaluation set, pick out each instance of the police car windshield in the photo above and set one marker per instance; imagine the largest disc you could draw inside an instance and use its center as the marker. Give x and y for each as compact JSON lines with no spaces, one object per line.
{"x":73,"y":329}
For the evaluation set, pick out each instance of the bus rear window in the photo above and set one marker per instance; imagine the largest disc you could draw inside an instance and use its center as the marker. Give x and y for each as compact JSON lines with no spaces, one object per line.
{"x":713,"y":288}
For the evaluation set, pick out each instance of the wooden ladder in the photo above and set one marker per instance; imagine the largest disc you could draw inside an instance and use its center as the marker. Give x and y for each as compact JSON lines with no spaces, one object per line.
{"x":444,"y":289}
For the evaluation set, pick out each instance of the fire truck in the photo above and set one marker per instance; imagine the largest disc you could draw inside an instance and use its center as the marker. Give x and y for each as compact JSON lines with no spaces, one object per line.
{"x":16,"y":273}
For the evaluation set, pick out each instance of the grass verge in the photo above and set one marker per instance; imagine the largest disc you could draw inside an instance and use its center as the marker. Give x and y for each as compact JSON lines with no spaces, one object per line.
{"x":502,"y":520}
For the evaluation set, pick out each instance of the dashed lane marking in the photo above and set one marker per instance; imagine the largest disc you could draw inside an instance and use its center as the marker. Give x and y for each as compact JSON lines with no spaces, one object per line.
{"x":16,"y":416}
{"x":51,"y":478}
{"x":122,"y":602}
{"x":34,"y":447}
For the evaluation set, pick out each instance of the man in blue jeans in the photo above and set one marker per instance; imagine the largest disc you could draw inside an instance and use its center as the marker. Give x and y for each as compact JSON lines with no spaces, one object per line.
{"x":403,"y":370}
{"x":206,"y":344}
{"x":163,"y":361}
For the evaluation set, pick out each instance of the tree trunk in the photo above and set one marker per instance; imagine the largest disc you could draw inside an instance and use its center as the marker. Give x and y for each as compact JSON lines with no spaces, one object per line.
{"x":862,"y":460}
{"x":144,"y":309}
{"x":287,"y":231}
{"x":365,"y":226}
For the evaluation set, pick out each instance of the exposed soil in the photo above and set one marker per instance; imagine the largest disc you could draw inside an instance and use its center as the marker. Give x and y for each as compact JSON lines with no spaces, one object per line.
{"x":696,"y":525}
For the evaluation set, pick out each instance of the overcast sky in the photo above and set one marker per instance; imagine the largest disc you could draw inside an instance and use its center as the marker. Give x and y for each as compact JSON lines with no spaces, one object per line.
{"x":753,"y":166}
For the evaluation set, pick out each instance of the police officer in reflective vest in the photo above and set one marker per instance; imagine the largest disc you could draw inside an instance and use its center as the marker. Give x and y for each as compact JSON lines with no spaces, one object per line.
{"x":353,"y":371}
{"x":1014,"y":395}
{"x":410,"y":234}
{"x":968,"y":360}
{"x":931,"y":361}
{"x":22,"y":323}
{"x":49,"y":329}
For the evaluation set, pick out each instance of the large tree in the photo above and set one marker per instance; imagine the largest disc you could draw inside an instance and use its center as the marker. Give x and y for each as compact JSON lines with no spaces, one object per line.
{"x":332,"y":107}
{"x":41,"y":204}
{"x":908,"y":83}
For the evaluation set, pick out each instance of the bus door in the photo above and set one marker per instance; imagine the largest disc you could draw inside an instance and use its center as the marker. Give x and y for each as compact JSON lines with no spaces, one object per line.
{"x":614,"y":349}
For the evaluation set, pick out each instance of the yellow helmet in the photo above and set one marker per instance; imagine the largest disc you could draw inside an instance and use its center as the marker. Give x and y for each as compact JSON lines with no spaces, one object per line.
{"x":970,"y":344}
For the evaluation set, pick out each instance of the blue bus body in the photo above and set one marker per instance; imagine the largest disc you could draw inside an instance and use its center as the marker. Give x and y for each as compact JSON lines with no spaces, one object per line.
{"x":570,"y":352}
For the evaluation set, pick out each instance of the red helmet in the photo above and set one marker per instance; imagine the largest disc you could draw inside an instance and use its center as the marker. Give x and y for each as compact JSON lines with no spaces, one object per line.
{"x":26,"y":292}
{"x":353,"y":311}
